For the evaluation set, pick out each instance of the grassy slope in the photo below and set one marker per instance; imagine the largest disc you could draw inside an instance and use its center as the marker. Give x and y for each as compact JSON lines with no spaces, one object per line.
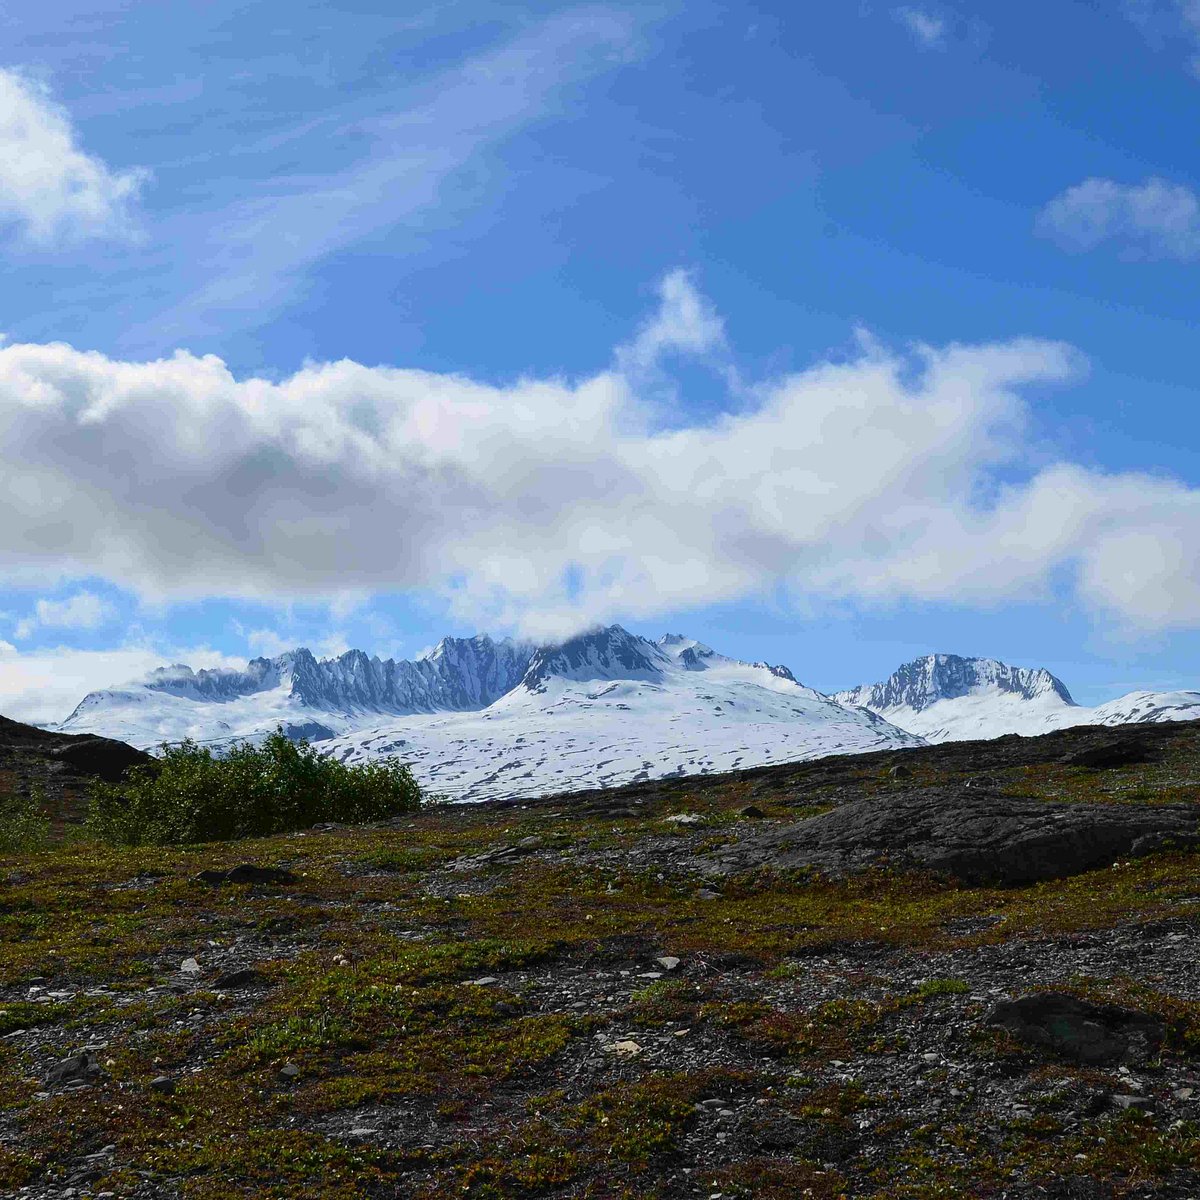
{"x":817,"y":1038}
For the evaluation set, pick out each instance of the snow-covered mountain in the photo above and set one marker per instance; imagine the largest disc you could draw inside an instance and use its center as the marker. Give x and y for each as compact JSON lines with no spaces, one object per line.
{"x":478,"y":718}
{"x":309,"y":698}
{"x":943,"y":698}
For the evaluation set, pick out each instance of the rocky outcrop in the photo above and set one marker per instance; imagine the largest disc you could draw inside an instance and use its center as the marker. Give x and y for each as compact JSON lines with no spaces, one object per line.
{"x":971,"y":836}
{"x":98,"y":757}
{"x":1093,"y":1034}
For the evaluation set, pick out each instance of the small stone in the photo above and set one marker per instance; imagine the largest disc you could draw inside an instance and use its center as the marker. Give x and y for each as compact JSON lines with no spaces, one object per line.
{"x":685,"y":818}
{"x":79,"y":1068}
{"x":231,"y":981}
{"x":190,"y":966}
{"x":483,"y":981}
{"x":626,"y":1049}
{"x":362,"y":1131}
{"x":899,"y":771}
{"x":164,"y":1084}
{"x":1140,"y":1103}
{"x":289,"y":1071}
{"x":668,"y":962}
{"x":1184,"y":1093}
{"x":751,"y":812}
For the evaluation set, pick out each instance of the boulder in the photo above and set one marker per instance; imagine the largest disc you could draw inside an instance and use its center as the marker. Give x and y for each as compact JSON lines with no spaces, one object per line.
{"x":1121,"y":752}
{"x":1093,"y":1034}
{"x":970,"y":836}
{"x":246,"y":873}
{"x":101,"y":757}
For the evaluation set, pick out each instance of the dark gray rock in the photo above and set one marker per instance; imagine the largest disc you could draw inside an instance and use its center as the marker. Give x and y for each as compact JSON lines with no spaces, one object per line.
{"x":163,"y":1083}
{"x":233,"y":981}
{"x":100,"y":757}
{"x":247,"y":873}
{"x":1094,"y":1034}
{"x":79,"y":1067}
{"x":1122,"y":752}
{"x":970,"y":836}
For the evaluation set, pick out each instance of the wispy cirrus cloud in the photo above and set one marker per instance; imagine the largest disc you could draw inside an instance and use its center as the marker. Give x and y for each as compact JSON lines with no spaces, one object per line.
{"x":408,"y":173}
{"x":1153,"y":219}
{"x":51,"y":189}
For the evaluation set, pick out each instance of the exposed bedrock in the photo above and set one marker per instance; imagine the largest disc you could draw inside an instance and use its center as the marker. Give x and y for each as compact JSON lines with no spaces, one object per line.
{"x":975,"y":838}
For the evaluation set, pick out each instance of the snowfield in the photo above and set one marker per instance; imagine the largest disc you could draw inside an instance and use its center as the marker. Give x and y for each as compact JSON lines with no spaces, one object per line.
{"x":479,"y":719}
{"x":944,"y":698}
{"x":602,"y":708}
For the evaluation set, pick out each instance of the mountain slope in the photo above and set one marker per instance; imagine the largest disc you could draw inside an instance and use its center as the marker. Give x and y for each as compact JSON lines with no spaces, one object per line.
{"x":607,"y":708}
{"x":943,"y":697}
{"x":480,"y":719}
{"x":309,"y":698}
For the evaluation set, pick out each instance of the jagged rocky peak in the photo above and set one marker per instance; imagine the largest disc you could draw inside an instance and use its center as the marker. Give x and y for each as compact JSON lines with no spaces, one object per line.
{"x":689,"y":653}
{"x":925,"y":681}
{"x":604,"y":653}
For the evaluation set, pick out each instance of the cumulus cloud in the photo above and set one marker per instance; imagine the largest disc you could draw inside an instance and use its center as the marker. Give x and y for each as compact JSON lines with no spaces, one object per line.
{"x":43,"y":687}
{"x":84,"y":610}
{"x":50,"y":188}
{"x":1154,"y":219}
{"x":547,"y":503}
{"x":927,"y":29}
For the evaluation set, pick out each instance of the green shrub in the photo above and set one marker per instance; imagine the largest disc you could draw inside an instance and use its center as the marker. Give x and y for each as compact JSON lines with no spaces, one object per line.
{"x":193,"y":795}
{"x":24,"y":826}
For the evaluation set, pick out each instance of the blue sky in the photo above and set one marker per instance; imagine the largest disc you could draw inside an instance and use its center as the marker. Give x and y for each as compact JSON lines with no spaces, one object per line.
{"x":831,"y":334}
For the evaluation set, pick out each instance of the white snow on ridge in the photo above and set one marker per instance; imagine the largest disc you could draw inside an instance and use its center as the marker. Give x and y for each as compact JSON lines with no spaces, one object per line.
{"x":582,"y":733}
{"x":479,"y":719}
{"x":944,"y":698}
{"x":600,"y":709}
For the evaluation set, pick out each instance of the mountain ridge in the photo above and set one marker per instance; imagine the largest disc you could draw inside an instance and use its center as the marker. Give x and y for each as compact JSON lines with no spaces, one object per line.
{"x":483,"y":718}
{"x":945,"y":697}
{"x":478,"y":718}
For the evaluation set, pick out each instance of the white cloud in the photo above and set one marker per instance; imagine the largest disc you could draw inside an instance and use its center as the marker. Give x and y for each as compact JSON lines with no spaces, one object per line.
{"x":43,"y":687}
{"x":84,"y":610}
{"x":49,"y":187}
{"x":548,"y":503}
{"x":270,"y":643}
{"x":685,"y":324}
{"x":929,"y":30}
{"x":1154,"y":219}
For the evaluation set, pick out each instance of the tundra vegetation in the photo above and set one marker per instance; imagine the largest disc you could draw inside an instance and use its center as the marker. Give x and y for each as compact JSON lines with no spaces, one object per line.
{"x":561,"y":998}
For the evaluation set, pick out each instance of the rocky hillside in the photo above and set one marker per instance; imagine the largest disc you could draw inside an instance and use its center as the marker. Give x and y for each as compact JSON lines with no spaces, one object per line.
{"x":963,"y":970}
{"x":60,"y":765}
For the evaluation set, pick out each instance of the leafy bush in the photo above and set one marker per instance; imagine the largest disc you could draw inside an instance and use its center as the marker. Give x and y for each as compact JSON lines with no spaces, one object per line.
{"x":24,"y":826}
{"x":193,"y":795}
